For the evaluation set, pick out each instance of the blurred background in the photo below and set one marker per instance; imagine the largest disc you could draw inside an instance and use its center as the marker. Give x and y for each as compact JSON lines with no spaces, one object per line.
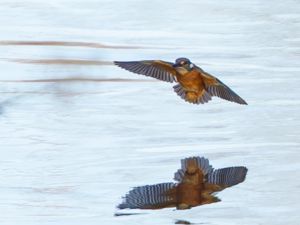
{"x":77,"y":133}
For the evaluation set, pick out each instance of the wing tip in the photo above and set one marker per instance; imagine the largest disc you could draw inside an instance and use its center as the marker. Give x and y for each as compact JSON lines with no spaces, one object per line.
{"x":245,"y":171}
{"x":122,"y":206}
{"x":148,"y":196}
{"x":127,"y":205}
{"x":228,"y":176}
{"x":242,"y":102}
{"x":119,"y":63}
{"x":240,"y":175}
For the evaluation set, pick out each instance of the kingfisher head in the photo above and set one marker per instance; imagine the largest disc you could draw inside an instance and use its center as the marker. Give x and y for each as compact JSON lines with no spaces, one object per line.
{"x":183,"y":65}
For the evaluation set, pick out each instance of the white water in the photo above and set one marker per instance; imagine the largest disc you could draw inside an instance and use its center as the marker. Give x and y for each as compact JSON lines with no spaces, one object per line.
{"x":70,"y":150}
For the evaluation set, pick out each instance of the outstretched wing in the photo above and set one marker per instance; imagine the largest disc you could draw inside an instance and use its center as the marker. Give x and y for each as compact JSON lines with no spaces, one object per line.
{"x":150,"y":197}
{"x":215,"y":87}
{"x":158,"y":69}
{"x":201,"y":162}
{"x":227,"y":177}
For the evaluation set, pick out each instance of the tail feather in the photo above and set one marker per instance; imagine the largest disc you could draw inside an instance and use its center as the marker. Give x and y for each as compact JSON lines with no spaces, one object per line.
{"x":149,"y":197}
{"x":227,"y":176}
{"x":192,"y":96}
{"x":201,"y":162}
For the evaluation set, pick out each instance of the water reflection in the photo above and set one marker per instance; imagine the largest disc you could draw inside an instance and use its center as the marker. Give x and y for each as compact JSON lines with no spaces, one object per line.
{"x":6,"y":103}
{"x":182,"y":222}
{"x":197,"y":183}
{"x":186,"y":222}
{"x":127,"y":214}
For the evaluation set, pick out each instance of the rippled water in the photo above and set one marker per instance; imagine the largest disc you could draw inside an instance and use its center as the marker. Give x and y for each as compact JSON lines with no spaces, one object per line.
{"x":77,"y":133}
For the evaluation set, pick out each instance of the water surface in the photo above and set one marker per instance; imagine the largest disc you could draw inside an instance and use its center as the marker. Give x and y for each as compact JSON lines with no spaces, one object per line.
{"x":77,"y":133}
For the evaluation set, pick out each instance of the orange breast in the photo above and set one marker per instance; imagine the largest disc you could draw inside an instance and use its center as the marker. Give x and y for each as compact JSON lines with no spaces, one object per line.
{"x":191,"y":81}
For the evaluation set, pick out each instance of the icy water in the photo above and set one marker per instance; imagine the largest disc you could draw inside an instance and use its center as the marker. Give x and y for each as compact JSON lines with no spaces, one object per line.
{"x":77,"y":133}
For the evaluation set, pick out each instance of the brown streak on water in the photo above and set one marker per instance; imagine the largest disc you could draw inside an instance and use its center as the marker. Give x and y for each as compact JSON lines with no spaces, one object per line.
{"x":68,"y":43}
{"x":61,"y":61}
{"x":76,"y":79}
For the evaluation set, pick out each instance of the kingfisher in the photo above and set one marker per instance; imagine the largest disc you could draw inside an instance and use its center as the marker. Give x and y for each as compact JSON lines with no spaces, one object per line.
{"x":194,"y":84}
{"x":197,"y":181}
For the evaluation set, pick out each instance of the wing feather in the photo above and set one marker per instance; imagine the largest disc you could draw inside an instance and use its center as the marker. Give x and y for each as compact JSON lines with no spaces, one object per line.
{"x":158,"y":69}
{"x":227,"y":177}
{"x":150,"y":197}
{"x":215,"y":87}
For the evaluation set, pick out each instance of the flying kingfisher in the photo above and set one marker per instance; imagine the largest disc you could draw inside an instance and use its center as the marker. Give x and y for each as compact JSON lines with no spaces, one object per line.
{"x":195,"y":85}
{"x":196,"y":183}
